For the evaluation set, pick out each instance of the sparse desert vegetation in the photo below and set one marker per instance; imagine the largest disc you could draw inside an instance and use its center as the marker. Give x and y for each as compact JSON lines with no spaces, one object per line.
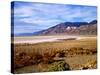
{"x":61,"y":55}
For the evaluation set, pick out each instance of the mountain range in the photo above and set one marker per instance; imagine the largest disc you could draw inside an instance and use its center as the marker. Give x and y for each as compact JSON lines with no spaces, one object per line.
{"x":68,"y":28}
{"x":71,"y":28}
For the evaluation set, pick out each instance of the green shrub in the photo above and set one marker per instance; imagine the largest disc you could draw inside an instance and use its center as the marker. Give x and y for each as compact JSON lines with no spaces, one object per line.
{"x":58,"y":66}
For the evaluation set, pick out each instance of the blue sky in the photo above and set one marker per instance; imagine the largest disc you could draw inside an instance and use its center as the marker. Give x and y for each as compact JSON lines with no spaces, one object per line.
{"x":31,"y":17}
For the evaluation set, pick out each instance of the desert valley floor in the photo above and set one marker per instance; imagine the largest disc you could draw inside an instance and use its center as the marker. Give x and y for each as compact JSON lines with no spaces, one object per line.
{"x":54,"y":53}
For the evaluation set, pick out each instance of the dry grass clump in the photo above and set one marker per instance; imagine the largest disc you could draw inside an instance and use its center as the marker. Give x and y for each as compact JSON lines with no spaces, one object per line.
{"x":90,"y":65}
{"x":24,"y":58}
{"x":81,"y":51}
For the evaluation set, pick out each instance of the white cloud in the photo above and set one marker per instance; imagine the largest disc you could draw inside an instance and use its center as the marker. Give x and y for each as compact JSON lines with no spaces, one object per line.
{"x":23,"y":11}
{"x":39,"y":21}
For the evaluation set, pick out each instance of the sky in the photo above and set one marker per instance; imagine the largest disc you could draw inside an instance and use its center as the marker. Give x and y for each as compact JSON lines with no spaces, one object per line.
{"x":31,"y":17}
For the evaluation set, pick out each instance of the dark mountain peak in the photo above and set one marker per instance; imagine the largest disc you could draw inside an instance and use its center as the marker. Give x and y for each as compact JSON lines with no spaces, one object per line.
{"x":77,"y":24}
{"x":93,"y":22}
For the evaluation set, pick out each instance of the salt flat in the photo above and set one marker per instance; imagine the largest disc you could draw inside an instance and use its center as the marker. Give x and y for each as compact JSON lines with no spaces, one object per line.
{"x":39,"y":39}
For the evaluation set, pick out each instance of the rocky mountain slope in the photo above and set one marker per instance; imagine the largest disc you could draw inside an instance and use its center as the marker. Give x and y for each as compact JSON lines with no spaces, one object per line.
{"x":71,"y":28}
